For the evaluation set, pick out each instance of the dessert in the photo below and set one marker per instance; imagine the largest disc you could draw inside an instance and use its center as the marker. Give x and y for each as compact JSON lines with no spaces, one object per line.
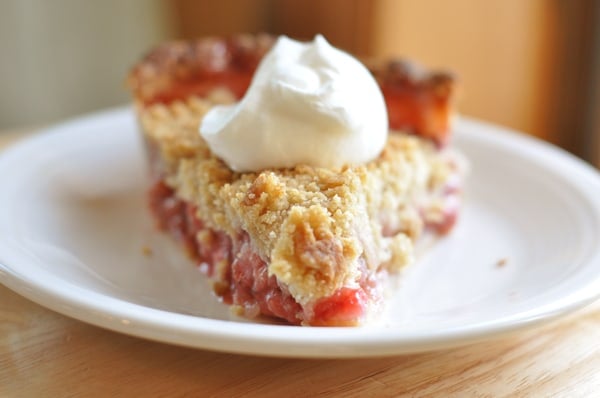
{"x":310,"y":242}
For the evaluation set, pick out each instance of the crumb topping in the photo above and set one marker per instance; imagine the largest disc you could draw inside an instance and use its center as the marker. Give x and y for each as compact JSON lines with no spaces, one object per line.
{"x":313,"y":226}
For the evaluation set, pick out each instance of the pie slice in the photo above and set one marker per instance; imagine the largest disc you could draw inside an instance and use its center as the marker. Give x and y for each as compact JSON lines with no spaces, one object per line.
{"x":310,"y":246}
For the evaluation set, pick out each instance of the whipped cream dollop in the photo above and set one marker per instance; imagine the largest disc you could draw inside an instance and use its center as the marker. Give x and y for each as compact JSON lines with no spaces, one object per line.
{"x":308,"y":103}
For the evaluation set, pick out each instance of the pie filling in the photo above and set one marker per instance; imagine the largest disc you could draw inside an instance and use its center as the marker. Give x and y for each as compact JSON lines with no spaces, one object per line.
{"x":241,"y":277}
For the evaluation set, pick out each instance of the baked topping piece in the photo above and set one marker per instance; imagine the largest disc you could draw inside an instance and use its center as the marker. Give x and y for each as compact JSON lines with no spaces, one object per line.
{"x":305,"y":244}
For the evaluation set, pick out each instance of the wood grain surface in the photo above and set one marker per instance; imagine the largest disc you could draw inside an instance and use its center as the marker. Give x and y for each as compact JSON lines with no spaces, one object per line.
{"x":45,"y":354}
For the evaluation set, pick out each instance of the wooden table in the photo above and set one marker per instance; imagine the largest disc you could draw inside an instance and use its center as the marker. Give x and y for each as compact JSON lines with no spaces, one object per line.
{"x":44,"y":354}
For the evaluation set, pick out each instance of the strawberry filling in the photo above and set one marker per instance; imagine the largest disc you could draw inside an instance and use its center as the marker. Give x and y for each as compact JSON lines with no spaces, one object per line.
{"x":235,"y":82}
{"x":241,"y":275}
{"x":344,"y":306}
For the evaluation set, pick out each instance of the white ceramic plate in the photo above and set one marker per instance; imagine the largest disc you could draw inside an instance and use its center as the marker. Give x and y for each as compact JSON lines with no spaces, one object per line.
{"x":74,"y":225}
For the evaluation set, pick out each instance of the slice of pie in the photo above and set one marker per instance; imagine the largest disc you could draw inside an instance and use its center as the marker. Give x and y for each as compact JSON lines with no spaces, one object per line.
{"x":311,"y":246}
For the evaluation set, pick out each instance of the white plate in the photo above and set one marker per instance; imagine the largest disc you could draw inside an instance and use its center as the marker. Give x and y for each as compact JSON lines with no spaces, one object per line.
{"x":74,"y":225}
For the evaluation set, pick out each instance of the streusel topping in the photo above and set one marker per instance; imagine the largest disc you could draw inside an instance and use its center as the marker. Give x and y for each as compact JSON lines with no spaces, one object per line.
{"x":313,"y":226}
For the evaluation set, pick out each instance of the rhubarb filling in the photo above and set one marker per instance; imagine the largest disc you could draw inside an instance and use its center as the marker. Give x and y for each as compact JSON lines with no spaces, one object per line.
{"x":241,"y":276}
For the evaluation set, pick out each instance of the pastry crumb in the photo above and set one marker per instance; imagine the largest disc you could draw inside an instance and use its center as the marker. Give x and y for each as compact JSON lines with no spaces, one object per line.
{"x":147,"y":251}
{"x":502,"y":262}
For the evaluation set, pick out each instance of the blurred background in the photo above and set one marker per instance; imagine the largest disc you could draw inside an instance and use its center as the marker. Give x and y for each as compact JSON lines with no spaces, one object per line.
{"x":530,"y":65}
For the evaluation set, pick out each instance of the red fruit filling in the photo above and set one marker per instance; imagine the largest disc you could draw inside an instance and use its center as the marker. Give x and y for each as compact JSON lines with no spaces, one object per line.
{"x":241,"y":275}
{"x":233,"y":81}
{"x":344,"y":307}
